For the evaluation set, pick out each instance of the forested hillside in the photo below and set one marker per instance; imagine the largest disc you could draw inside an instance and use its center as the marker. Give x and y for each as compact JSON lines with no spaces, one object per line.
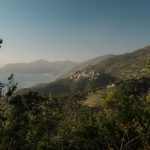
{"x":127,"y":65}
{"x":89,"y":110}
{"x":115,"y":68}
{"x":87,"y":64}
{"x":121,"y":121}
{"x":67,"y":85}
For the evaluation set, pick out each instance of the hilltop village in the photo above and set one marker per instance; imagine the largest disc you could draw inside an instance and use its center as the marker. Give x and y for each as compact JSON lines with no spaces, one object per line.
{"x":85,"y":75}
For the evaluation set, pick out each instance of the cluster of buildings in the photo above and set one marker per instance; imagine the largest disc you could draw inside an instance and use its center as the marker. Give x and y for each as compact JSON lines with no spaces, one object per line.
{"x":85,"y":75}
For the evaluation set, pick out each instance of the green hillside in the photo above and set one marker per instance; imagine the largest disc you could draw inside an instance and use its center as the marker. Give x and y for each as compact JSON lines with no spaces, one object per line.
{"x":118,"y":67}
{"x":87,"y":64}
{"x":94,"y":99}
{"x":127,"y":65}
{"x":120,"y":121}
{"x":97,"y":108}
{"x":67,"y":85}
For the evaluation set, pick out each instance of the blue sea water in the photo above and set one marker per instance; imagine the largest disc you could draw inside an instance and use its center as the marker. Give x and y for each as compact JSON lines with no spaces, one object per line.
{"x":27,"y":80}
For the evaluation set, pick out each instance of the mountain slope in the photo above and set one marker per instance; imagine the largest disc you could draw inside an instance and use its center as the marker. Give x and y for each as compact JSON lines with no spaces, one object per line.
{"x":39,"y":67}
{"x":130,"y":65}
{"x":87,"y":64}
{"x":127,"y":65}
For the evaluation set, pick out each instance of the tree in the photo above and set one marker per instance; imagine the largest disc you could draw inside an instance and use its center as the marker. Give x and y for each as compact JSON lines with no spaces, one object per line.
{"x":1,"y":41}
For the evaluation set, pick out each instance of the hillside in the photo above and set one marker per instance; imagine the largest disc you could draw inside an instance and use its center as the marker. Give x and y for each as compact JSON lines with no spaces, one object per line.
{"x":39,"y":67}
{"x":68,"y":85}
{"x":115,"y":119}
{"x":87,"y":64}
{"x":110,"y":70}
{"x":127,"y":65}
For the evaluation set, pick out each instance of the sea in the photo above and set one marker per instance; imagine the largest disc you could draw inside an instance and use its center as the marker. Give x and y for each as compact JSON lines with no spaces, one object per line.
{"x":28,"y":80}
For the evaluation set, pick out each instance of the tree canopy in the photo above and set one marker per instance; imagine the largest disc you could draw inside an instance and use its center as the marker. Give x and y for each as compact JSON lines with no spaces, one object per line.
{"x":30,"y":121}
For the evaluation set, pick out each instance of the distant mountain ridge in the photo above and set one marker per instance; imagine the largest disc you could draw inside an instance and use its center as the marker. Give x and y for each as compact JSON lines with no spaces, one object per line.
{"x":88,"y":63}
{"x":39,"y":67}
{"x":126,"y":66}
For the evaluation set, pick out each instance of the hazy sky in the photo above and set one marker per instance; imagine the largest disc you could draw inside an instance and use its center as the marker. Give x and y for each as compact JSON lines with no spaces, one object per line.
{"x":71,"y":29}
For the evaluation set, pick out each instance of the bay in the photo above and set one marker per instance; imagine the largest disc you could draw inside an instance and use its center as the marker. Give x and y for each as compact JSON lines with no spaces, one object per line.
{"x":28,"y":80}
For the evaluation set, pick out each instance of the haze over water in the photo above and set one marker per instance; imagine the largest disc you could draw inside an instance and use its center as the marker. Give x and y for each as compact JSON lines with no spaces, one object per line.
{"x":27,"y":80}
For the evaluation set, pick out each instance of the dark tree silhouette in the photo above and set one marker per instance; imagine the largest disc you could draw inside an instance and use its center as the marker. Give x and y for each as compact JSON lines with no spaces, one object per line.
{"x":1,"y":41}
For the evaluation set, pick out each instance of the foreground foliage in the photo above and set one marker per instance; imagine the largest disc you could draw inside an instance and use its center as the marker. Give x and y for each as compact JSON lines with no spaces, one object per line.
{"x":122,"y":121}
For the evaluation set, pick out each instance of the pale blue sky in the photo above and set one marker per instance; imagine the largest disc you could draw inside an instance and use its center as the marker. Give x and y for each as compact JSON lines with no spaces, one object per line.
{"x":71,"y":29}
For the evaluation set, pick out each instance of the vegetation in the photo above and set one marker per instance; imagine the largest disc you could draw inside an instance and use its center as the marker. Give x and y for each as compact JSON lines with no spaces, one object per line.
{"x":87,"y":64}
{"x":67,"y":85}
{"x":109,"y":112}
{"x":128,"y":65}
{"x":110,"y":69}
{"x":121,"y":121}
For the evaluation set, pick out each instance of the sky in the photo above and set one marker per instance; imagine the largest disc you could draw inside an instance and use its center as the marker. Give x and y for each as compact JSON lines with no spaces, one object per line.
{"x":75,"y":30}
